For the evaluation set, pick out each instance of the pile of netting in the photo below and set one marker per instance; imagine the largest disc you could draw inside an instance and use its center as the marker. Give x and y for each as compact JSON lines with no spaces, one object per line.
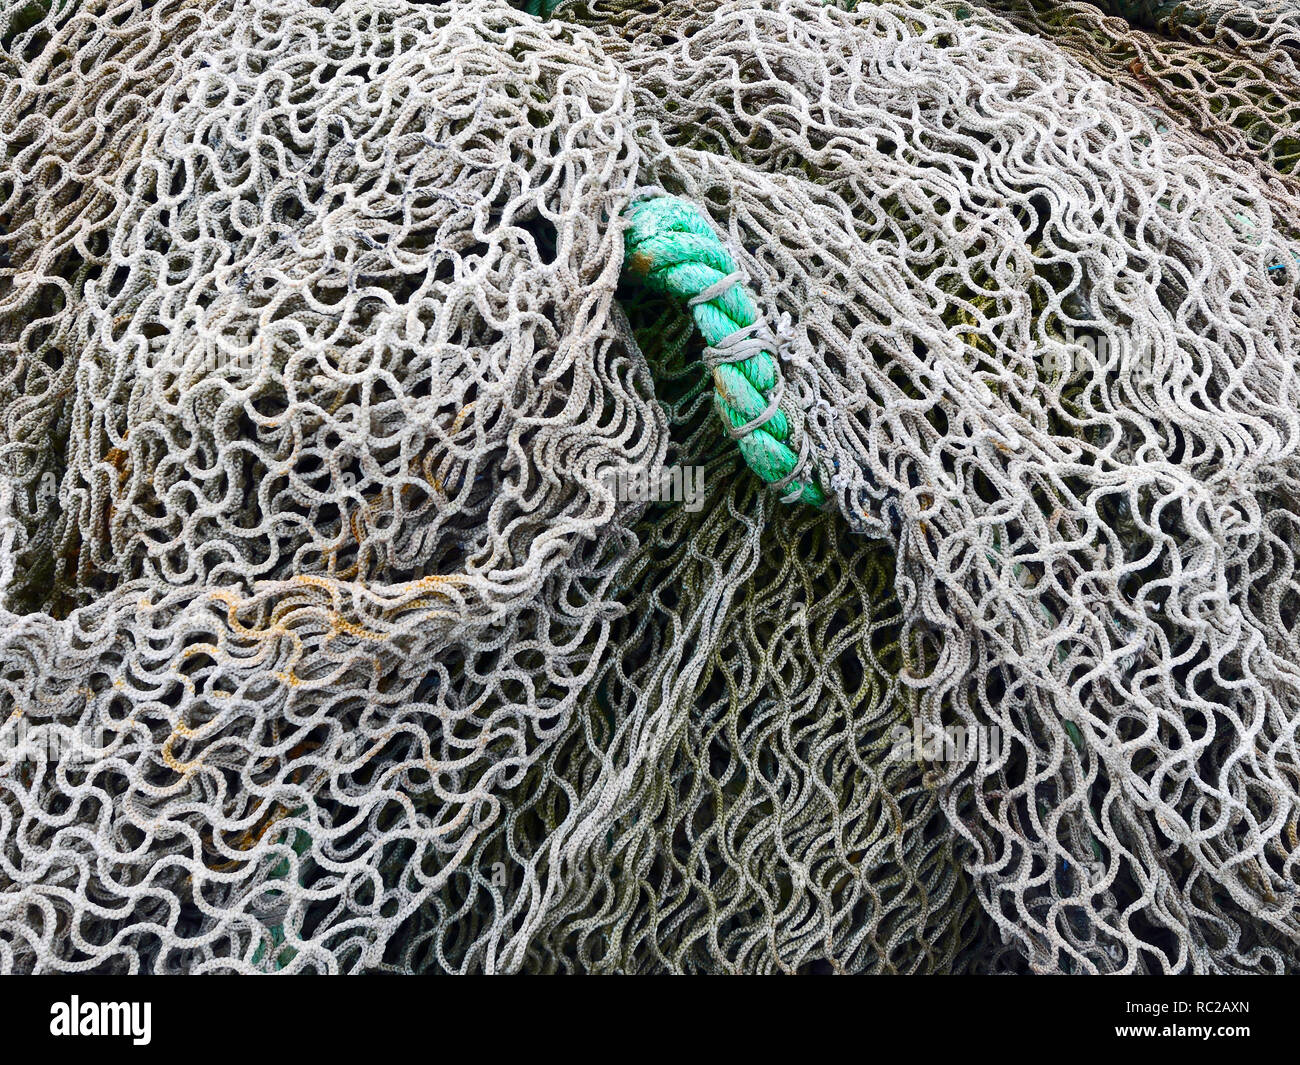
{"x":328,"y":641}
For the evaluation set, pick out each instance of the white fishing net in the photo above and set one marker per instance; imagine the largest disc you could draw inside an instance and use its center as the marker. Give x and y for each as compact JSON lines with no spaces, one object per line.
{"x":315,"y":356}
{"x":326,"y":406}
{"x":1230,"y":71}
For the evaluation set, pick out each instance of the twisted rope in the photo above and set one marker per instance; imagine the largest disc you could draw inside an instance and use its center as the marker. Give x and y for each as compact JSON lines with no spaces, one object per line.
{"x":673,"y":249}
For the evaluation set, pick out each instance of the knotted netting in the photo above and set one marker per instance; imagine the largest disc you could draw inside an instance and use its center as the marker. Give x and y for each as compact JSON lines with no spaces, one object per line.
{"x":1231,"y":72}
{"x":320,"y":340}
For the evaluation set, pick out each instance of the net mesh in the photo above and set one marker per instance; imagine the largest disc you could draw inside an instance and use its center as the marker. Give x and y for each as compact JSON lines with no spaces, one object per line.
{"x":328,"y":645}
{"x":1229,"y":72}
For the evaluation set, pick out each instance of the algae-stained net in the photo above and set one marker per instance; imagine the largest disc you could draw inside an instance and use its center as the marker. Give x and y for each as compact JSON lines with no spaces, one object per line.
{"x":311,"y":393}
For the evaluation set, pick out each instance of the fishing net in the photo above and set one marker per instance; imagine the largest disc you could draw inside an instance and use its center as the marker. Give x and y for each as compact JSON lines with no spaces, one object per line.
{"x":1229,"y":72}
{"x":329,"y":557}
{"x":329,"y":644}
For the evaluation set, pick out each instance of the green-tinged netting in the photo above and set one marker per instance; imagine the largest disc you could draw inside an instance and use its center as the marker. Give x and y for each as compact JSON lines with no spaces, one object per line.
{"x":333,"y":332}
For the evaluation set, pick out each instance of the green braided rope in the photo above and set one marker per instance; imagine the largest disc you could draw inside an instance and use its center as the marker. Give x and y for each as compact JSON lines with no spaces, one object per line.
{"x":673,"y":249}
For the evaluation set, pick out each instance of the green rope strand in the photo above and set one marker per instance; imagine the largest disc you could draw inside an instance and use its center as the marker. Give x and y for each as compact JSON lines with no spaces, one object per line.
{"x":673,"y":249}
